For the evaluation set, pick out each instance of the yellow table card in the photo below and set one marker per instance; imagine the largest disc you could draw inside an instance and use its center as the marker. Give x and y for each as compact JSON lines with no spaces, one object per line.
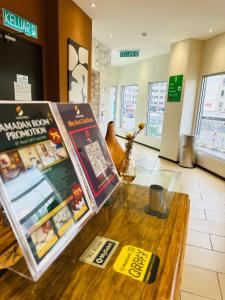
{"x":137,"y":263}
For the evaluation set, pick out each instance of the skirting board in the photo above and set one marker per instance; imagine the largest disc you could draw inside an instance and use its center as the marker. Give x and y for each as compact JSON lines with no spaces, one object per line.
{"x":170,"y":160}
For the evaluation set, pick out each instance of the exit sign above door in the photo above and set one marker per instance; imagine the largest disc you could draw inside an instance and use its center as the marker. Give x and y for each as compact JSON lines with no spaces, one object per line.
{"x":19,"y":24}
{"x":129,"y":53}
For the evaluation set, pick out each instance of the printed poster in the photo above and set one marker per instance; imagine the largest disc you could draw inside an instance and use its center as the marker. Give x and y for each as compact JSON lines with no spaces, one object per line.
{"x":40,"y":189}
{"x":91,"y":150}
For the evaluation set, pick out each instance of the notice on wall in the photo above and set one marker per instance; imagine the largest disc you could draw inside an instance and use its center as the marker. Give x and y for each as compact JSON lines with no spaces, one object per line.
{"x":21,"y":78}
{"x":22,"y":91}
{"x":41,"y":192}
{"x":90,"y":150}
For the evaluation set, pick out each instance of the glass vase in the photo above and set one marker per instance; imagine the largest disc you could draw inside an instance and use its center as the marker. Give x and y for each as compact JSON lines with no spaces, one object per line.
{"x":127,"y":170}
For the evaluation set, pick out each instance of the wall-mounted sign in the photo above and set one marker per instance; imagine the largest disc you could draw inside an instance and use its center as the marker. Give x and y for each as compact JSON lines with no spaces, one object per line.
{"x":175,"y":88}
{"x":129,"y":53}
{"x":19,"y":24}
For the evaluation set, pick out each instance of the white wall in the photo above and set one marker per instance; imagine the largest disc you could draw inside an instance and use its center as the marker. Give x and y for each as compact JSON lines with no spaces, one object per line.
{"x":141,"y":73}
{"x":185,"y":59}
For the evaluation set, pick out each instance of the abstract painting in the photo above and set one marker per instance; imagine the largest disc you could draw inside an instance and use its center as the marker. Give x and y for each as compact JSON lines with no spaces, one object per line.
{"x":77,"y":73}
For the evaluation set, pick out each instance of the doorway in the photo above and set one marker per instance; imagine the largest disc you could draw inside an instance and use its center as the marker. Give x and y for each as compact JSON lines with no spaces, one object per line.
{"x":21,"y":57}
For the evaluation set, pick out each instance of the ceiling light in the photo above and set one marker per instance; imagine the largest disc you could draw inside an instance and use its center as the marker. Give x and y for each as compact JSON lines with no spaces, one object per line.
{"x":175,"y":39}
{"x":211,"y":30}
{"x":111,"y":35}
{"x":93,"y":4}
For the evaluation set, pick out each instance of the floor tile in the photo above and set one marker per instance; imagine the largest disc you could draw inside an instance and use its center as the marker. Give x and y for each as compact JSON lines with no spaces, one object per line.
{"x":195,"y":195}
{"x":200,"y":282}
{"x":213,"y":198}
{"x":218,"y":243}
{"x":207,"y":226}
{"x":188,"y":296}
{"x":197,"y":203}
{"x":197,"y":213}
{"x":222,"y":284}
{"x":198,"y":239}
{"x":216,"y":207}
{"x":191,"y":188}
{"x":215,"y":216}
{"x":205,"y":258}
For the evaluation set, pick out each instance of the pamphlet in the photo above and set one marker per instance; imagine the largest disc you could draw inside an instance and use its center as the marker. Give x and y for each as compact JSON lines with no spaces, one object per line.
{"x":99,"y":252}
{"x":42,"y":194}
{"x":90,"y":150}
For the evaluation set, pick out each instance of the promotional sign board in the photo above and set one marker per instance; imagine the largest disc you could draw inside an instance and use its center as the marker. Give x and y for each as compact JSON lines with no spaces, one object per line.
{"x":40,"y":190}
{"x":175,"y":88}
{"x":90,"y":150}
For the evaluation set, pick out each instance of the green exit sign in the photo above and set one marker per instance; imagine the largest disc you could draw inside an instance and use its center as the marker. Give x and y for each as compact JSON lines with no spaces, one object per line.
{"x":19,"y":24}
{"x":129,"y":53}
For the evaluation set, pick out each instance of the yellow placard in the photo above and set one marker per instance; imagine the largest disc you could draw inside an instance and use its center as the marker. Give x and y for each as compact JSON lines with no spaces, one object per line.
{"x":133,"y":262}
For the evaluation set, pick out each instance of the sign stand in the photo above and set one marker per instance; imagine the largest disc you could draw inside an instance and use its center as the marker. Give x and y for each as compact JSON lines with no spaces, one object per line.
{"x":12,"y":258}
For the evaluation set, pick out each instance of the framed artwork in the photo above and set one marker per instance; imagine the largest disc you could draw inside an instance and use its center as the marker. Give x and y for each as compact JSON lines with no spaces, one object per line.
{"x":77,"y":73}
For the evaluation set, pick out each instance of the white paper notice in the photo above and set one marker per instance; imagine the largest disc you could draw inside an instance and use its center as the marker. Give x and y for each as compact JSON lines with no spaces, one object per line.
{"x":21,"y":78}
{"x":22,"y":91}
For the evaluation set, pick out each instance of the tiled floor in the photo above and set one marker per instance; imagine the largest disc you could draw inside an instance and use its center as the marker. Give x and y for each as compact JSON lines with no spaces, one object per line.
{"x":204,"y":268}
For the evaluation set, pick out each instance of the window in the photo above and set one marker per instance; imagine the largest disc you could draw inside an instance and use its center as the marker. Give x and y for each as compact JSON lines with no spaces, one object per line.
{"x":128,"y":107}
{"x":157,"y":92}
{"x":211,"y":121}
{"x":113,"y":97}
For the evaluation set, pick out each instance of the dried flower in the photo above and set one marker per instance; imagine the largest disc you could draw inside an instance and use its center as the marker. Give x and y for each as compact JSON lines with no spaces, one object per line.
{"x":141,"y":126}
{"x":129,"y":136}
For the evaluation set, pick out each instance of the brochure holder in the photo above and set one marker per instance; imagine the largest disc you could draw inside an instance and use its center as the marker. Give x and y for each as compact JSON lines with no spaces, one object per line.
{"x":89,"y":149}
{"x":43,"y":194}
{"x":14,"y":261}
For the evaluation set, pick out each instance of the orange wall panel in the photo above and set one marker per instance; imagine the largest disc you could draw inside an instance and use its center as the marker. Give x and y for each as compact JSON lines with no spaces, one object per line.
{"x":76,"y":25}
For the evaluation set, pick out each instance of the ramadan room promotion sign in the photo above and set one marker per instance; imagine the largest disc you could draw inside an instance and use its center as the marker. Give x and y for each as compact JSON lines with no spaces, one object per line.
{"x":40,"y":189}
{"x":91,"y":150}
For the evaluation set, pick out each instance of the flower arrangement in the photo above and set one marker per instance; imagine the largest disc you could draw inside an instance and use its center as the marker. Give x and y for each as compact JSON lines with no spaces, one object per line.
{"x":130,"y":137}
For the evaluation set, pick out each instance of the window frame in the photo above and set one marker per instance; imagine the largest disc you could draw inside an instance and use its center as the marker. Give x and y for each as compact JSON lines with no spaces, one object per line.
{"x":121,"y":102}
{"x":116,"y":100}
{"x":200,"y":109}
{"x":149,"y":99}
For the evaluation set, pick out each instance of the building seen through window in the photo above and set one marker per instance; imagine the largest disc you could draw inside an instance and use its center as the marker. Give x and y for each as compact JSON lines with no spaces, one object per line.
{"x":157,"y":93}
{"x":211,"y":122}
{"x":128,"y":107}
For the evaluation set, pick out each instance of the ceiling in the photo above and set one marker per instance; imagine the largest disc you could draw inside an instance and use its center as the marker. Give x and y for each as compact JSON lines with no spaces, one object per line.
{"x":165,"y":21}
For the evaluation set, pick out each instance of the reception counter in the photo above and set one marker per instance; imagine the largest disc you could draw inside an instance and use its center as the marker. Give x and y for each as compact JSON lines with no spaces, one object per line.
{"x":122,"y":219}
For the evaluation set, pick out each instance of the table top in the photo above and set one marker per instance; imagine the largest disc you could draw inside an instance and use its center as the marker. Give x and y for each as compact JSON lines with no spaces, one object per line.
{"x":123,"y":219}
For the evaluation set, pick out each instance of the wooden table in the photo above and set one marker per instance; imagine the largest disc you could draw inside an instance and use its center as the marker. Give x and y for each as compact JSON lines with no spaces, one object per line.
{"x":125,"y":221}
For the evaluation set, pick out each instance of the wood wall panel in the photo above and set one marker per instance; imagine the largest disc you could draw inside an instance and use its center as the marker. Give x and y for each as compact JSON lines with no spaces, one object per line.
{"x":76,"y":25}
